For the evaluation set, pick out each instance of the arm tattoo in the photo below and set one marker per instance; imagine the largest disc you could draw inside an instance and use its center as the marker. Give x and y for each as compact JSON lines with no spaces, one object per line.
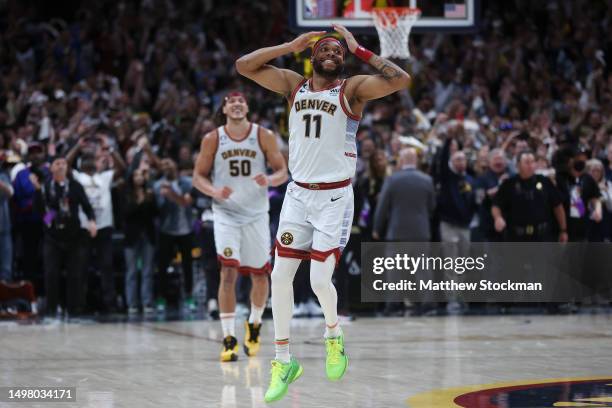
{"x":388,"y":69}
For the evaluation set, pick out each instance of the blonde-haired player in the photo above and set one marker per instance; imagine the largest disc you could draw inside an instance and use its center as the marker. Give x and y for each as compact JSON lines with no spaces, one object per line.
{"x":231,"y":168}
{"x":317,"y":212}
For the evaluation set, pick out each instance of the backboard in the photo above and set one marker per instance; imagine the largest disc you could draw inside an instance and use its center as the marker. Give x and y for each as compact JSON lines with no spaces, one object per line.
{"x":436,"y":15}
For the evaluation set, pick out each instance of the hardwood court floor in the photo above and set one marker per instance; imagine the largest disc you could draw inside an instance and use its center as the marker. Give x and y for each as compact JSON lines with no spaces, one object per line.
{"x":175,"y":364}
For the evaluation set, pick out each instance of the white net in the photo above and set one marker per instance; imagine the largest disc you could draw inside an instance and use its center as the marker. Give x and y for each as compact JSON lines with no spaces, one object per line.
{"x":393,"y":26}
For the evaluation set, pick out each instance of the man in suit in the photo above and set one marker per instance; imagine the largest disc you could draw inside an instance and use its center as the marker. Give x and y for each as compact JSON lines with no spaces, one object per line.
{"x":405,"y":207}
{"x":406,"y":203}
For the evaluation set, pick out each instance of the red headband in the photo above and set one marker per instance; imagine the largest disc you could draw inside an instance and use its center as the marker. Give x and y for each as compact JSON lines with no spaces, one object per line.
{"x":316,"y":46}
{"x":234,"y":93}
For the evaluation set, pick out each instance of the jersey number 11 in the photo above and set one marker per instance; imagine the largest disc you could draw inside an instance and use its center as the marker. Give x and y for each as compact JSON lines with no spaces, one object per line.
{"x":317,"y":119}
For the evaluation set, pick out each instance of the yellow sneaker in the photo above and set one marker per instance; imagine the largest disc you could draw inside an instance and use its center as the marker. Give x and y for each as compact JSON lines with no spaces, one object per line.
{"x":230,"y":349}
{"x":251,"y":338}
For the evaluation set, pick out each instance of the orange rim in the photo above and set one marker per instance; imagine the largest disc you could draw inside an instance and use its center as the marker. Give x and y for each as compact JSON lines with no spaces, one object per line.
{"x":399,"y":10}
{"x":393,"y":14}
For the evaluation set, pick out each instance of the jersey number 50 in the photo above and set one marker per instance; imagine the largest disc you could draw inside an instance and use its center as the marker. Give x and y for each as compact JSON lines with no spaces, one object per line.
{"x":317,"y":119}
{"x":240,"y":168}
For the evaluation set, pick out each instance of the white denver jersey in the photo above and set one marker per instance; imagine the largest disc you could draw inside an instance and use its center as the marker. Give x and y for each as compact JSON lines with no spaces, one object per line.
{"x":322,"y":147}
{"x":236,"y":162}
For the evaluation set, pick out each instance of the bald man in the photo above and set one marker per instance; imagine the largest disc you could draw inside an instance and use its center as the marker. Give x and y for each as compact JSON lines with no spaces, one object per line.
{"x":456,"y":196}
{"x":486,"y":187}
{"x":406,"y":203}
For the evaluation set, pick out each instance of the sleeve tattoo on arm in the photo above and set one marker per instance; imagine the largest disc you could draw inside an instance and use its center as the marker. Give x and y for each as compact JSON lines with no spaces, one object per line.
{"x":388,"y":69}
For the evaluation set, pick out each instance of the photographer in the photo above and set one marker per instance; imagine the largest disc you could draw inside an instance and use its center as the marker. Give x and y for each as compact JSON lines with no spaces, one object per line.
{"x":60,"y":199}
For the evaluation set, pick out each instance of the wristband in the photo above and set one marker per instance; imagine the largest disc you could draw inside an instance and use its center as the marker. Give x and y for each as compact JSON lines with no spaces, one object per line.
{"x":363,"y":54}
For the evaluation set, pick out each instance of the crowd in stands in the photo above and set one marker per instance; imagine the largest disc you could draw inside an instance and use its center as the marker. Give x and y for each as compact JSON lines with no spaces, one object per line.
{"x":117,"y":95}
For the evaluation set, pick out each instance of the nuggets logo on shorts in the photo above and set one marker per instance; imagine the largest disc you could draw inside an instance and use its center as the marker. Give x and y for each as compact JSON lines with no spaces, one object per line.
{"x":287,"y":238}
{"x":227,"y":252}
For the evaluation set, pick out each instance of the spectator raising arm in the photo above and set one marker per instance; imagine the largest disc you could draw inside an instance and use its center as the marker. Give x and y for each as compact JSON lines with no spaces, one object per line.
{"x":145,"y":145}
{"x":119,"y":164}
{"x":75,"y":151}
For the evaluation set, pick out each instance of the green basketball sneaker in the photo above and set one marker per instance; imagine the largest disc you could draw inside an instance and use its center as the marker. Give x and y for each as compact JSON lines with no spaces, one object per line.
{"x":336,"y":361}
{"x":282,"y":374}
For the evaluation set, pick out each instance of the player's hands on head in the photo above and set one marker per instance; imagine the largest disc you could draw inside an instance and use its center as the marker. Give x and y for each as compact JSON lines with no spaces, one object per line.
{"x":261,"y":179}
{"x":351,"y":42}
{"x":223,"y":193}
{"x":303,"y":41}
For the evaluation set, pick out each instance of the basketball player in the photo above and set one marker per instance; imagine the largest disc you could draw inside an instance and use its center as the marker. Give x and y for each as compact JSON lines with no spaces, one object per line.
{"x":231,"y":168}
{"x":316,"y":217}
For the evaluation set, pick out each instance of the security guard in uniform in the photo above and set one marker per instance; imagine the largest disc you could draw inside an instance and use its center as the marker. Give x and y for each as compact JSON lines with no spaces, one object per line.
{"x":524,"y":206}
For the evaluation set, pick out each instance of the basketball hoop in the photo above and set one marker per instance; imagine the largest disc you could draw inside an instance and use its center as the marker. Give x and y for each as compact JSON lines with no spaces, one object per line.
{"x":393,"y":25}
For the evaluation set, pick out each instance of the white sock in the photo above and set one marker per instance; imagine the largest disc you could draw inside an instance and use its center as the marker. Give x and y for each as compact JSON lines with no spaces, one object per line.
{"x":256,"y":313}
{"x":322,"y":286}
{"x":228,"y":323}
{"x":281,"y":347}
{"x":334,"y":331}
{"x":282,"y":297}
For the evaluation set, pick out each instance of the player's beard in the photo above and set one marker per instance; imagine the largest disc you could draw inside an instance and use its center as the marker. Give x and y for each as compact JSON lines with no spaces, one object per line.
{"x":317,"y":66}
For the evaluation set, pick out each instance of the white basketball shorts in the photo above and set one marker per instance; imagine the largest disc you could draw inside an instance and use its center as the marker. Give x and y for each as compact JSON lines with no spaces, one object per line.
{"x":246,"y":247}
{"x":314,"y":224}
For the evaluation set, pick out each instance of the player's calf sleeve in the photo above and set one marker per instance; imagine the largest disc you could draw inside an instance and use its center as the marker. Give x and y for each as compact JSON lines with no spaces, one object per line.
{"x":282,"y":294}
{"x":322,"y":286}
